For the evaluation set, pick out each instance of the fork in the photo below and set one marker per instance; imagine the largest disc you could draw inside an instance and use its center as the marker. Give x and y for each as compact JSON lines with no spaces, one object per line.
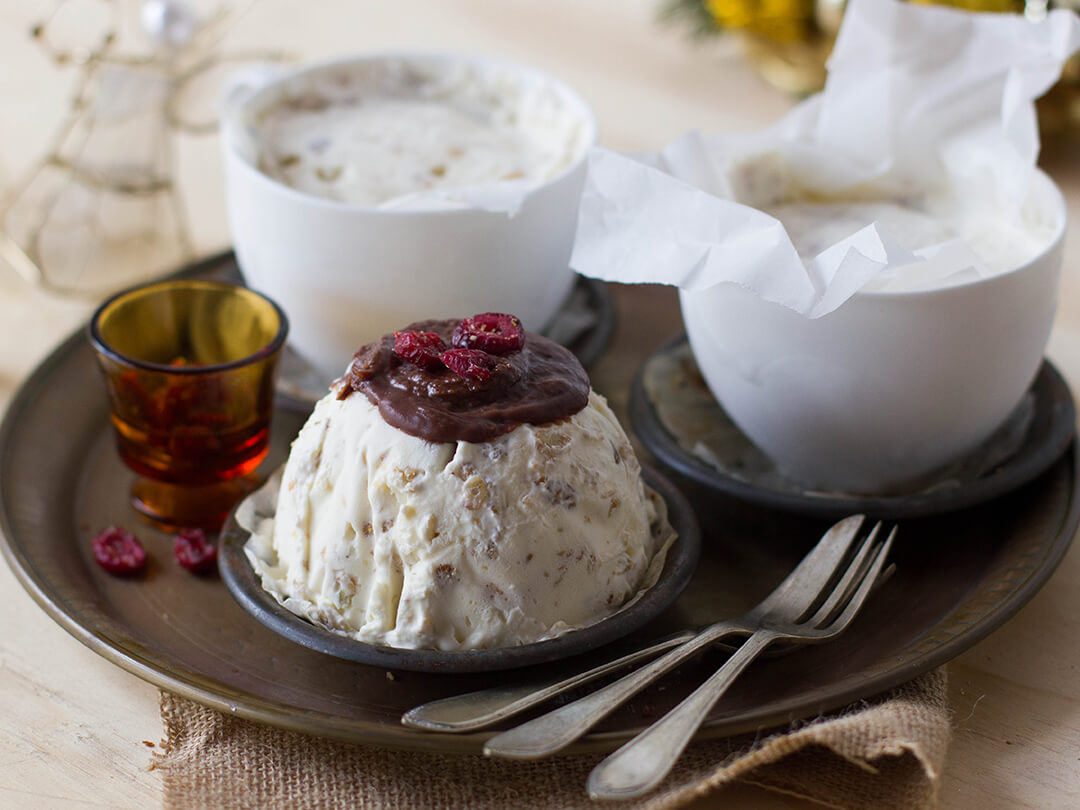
{"x":476,"y":710}
{"x":810,"y":587}
{"x":642,"y":763}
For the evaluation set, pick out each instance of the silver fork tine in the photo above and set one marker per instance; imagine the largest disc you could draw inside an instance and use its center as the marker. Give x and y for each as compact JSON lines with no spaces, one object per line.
{"x":642,"y":763}
{"x":803,"y":584}
{"x":842,"y":590}
{"x":548,"y":733}
{"x":841,"y":622}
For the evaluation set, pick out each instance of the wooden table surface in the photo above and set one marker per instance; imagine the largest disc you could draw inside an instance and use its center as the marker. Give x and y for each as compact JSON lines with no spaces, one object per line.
{"x":77,"y":731}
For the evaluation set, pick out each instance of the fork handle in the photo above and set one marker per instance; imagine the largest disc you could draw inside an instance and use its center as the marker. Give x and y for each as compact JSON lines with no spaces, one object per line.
{"x":643,"y":762}
{"x":475,"y":710}
{"x":555,"y":730}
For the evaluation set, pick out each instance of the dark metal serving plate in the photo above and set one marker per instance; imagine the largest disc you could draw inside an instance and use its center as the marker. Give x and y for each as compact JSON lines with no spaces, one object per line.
{"x":679,"y":566}
{"x":1043,"y":435}
{"x":958,"y":577}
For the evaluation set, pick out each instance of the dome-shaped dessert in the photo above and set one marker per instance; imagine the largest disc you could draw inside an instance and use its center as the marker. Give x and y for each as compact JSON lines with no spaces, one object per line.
{"x":393,"y":529}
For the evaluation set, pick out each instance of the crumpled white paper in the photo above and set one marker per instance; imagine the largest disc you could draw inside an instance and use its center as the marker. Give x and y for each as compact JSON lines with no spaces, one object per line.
{"x":919,"y":101}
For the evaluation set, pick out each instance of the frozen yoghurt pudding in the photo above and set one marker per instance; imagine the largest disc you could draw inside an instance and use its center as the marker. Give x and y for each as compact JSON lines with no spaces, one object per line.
{"x":374,"y":132}
{"x":946,"y":235}
{"x":994,"y":241}
{"x":461,"y":487}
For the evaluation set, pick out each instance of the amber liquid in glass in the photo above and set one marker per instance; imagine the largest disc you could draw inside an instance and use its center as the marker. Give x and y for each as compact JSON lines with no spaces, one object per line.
{"x":189,"y":430}
{"x":189,"y":367}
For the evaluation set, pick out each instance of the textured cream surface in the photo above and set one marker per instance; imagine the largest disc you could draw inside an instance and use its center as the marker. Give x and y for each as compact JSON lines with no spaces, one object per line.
{"x":999,"y":242}
{"x":374,"y":132}
{"x":396,"y":540}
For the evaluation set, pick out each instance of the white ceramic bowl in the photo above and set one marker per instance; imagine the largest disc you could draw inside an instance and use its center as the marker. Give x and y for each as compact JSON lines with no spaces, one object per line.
{"x":891,"y":385}
{"x":346,"y":274}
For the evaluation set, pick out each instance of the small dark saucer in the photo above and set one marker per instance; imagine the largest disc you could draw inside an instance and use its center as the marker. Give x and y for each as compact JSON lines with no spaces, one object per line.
{"x":682,"y":558}
{"x":1031,"y":440}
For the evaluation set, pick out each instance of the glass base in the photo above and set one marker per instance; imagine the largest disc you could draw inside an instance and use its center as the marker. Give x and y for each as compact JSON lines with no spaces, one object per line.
{"x":180,"y":506}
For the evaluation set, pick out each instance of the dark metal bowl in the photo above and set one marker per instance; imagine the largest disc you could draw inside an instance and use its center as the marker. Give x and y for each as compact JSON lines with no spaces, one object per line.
{"x":243,"y":583}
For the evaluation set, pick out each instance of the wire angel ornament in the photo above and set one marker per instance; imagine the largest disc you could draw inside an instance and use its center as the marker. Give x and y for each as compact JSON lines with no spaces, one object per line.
{"x":102,"y":209}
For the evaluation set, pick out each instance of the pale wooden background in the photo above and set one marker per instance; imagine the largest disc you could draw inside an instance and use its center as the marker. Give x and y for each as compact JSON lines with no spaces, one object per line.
{"x":73,"y":726}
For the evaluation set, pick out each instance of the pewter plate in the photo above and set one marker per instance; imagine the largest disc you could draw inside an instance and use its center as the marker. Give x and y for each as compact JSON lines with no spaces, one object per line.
{"x":958,"y":577}
{"x":675,"y":416}
{"x":679,"y":564}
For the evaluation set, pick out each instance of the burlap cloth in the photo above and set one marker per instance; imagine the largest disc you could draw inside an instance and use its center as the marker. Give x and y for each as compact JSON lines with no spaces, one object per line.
{"x":883,"y":753}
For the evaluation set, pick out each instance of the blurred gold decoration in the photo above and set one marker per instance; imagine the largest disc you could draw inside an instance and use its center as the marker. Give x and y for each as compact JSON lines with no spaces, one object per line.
{"x":776,"y":20}
{"x":998,"y":6}
{"x":788,"y":42}
{"x":101,"y":209}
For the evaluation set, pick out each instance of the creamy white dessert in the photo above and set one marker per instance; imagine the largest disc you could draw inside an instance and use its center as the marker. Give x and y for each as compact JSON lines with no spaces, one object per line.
{"x":393,"y":539}
{"x":371,"y":133}
{"x":999,"y":243}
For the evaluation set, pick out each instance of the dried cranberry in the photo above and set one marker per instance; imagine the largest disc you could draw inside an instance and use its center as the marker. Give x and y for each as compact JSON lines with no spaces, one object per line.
{"x":193,"y":551}
{"x":119,"y":552}
{"x":472,"y":364}
{"x":419,"y":348}
{"x":492,"y":332}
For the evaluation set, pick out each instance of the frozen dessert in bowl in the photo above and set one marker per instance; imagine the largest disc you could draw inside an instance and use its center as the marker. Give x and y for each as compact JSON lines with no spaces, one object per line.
{"x":372,"y":191}
{"x":868,"y":285}
{"x":911,"y":372}
{"x":461,"y":488}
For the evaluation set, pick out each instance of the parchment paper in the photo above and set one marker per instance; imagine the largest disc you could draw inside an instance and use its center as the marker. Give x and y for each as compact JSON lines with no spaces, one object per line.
{"x":931,"y":107}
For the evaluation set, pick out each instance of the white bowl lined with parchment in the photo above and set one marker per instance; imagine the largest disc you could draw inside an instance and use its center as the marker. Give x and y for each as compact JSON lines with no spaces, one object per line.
{"x":868,"y":284}
{"x":894,"y":383}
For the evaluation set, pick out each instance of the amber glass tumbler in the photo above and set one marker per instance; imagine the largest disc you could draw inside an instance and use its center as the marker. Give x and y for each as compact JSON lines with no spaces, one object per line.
{"x":190,"y":369}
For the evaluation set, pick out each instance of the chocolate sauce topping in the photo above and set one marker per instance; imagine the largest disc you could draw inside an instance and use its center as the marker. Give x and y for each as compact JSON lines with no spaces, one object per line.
{"x":541,"y":383}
